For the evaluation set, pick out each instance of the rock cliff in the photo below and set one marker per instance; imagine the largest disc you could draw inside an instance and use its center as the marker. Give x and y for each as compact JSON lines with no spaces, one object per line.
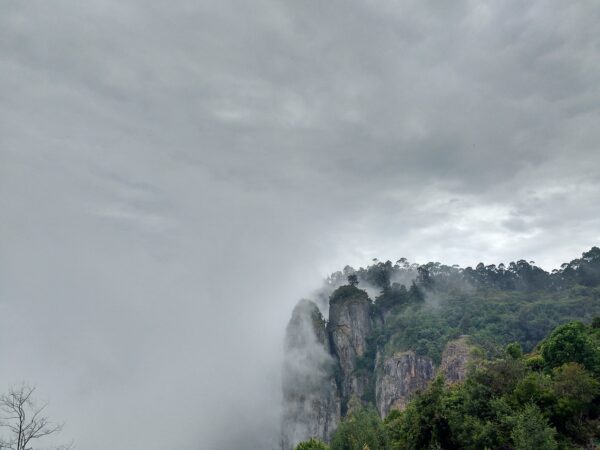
{"x":349,"y":327}
{"x":455,"y":359}
{"x":311,"y":403}
{"x":325,"y":367}
{"x":398,"y":378}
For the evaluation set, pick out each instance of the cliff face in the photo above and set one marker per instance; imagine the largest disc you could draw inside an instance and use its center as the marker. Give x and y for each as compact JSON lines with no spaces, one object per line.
{"x":455,"y":360}
{"x":398,"y":378}
{"x":320,"y":374}
{"x":349,"y":326}
{"x":311,"y":405}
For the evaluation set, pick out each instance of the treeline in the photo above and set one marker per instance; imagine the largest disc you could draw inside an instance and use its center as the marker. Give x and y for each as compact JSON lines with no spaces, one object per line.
{"x":548,"y":399}
{"x":516,"y":276}
{"x":422,"y":307}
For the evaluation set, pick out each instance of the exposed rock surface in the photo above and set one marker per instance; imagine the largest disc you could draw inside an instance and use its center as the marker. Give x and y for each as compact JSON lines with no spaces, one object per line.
{"x":398,"y":378}
{"x":455,"y":359}
{"x":320,"y":375}
{"x":311,"y":405}
{"x":349,"y":326}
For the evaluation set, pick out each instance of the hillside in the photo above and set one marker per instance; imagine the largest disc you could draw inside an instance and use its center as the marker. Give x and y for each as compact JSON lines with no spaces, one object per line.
{"x":394,"y":330}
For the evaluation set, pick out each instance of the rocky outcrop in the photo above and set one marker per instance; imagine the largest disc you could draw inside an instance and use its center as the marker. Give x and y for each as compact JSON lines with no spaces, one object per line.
{"x":398,"y":378}
{"x":349,"y":326}
{"x":311,"y":403}
{"x":455,"y":360}
{"x":320,"y":375}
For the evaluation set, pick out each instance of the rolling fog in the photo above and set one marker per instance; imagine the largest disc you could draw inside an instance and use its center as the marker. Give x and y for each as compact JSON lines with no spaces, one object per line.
{"x":174,"y":177}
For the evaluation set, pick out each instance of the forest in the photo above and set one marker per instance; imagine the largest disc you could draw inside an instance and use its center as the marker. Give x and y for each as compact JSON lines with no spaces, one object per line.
{"x":534,"y":382}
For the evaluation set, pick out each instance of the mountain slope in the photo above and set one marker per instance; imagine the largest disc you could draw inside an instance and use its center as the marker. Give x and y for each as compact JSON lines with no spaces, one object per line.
{"x":392,"y":328}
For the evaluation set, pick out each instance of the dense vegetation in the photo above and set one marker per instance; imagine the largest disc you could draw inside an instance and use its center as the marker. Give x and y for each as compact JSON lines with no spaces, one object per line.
{"x":344,"y":293}
{"x":492,"y":318}
{"x":422,"y":307}
{"x":546,"y":400}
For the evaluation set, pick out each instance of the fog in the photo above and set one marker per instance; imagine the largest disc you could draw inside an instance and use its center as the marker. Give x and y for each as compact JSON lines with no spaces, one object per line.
{"x":174,"y":177}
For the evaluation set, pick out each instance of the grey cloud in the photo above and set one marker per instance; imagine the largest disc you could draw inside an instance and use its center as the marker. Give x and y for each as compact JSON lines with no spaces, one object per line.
{"x":173,"y":177}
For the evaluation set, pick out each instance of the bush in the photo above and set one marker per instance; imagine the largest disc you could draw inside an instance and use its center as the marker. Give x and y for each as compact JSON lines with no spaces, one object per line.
{"x":362,"y":427}
{"x":571,"y":343}
{"x":312,"y":444}
{"x":347,"y":292}
{"x":532,"y":431}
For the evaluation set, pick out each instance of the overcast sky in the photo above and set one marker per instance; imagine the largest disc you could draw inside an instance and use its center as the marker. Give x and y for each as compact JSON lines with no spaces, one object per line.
{"x":174,"y":176}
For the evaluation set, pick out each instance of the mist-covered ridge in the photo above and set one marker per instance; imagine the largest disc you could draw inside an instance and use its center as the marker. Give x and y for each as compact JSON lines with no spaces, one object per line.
{"x":389,"y":329}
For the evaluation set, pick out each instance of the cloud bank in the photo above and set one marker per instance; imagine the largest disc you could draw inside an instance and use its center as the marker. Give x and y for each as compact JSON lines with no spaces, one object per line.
{"x":173,"y":177}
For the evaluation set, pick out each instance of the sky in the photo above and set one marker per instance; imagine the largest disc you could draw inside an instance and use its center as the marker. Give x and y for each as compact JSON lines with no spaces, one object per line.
{"x":174,"y":176}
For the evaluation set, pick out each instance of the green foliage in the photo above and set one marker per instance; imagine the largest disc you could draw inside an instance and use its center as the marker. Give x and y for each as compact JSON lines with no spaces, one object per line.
{"x":362,"y":427}
{"x":504,"y":403}
{"x":532,"y":431}
{"x":422,"y":425}
{"x":421,"y":330}
{"x":571,"y":342}
{"x":584,"y":270}
{"x":514,"y":350}
{"x":519,"y":276}
{"x":535,"y":361}
{"x":422,"y":307}
{"x":312,"y":444}
{"x":492,"y":318}
{"x":347,"y":292}
{"x":393,"y":297}
{"x":548,"y":398}
{"x":378,"y":274}
{"x":575,"y":390}
{"x":415,"y":293}
{"x":537,"y":388}
{"x":365,"y":367}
